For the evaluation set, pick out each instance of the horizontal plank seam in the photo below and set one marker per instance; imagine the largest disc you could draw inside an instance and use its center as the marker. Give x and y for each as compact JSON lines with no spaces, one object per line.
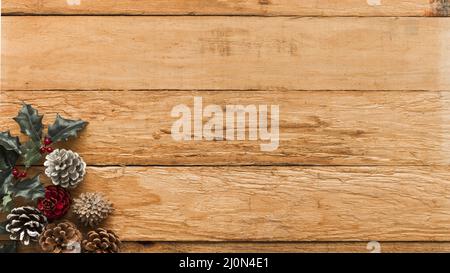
{"x":220,"y":90}
{"x":213,"y":15}
{"x":248,"y":165}
{"x":264,"y":242}
{"x":280,"y":242}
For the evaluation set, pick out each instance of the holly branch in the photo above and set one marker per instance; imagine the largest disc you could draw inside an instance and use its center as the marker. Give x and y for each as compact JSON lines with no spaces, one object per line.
{"x":13,"y":181}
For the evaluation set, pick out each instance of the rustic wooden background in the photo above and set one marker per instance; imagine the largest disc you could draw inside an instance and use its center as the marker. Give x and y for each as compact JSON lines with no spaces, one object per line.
{"x":364,"y":92}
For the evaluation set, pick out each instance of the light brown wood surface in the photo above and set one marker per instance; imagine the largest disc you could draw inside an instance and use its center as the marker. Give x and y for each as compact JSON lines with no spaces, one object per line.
{"x":219,"y":53}
{"x":287,"y":247}
{"x":364,"y":96}
{"x":228,"y":7}
{"x":274,"y":247}
{"x":320,"y":128}
{"x":275,"y":203}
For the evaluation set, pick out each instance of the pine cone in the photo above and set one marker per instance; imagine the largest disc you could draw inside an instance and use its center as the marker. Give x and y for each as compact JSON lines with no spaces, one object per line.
{"x":63,"y":237}
{"x":65,"y":168}
{"x":91,"y":208}
{"x":25,"y":224}
{"x":101,"y":241}
{"x":438,"y":8}
{"x":56,"y":202}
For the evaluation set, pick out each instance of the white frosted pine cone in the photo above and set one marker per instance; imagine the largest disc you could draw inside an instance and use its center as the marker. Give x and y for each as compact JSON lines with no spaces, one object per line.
{"x":91,"y":208}
{"x":25,"y":224}
{"x":65,"y":168}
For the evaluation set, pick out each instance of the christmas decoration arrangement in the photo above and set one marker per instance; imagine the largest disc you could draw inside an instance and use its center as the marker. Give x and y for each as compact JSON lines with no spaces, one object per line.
{"x":40,"y":216}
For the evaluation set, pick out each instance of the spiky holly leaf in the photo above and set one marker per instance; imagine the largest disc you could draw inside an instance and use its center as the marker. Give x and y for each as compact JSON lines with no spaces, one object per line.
{"x":9,"y":150}
{"x":8,"y":247}
{"x":30,"y":122}
{"x":30,"y":189}
{"x":7,"y":203}
{"x":8,"y":159}
{"x":6,"y":179}
{"x":9,"y":142}
{"x":30,"y":152}
{"x":63,"y":128}
{"x":3,"y":227}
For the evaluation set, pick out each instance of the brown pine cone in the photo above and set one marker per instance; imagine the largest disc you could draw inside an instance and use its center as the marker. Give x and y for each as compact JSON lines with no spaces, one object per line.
{"x":101,"y":241}
{"x":63,"y":237}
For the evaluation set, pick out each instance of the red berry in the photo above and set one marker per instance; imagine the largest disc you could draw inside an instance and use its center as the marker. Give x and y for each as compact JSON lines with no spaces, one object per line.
{"x":42,"y":150}
{"x":15,"y":172}
{"x":23,"y":174}
{"x":49,"y":149}
{"x":47,"y":141}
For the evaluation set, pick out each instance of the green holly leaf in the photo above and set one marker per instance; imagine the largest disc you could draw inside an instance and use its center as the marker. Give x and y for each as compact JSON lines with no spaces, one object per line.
{"x":30,"y":122}
{"x":8,"y":247}
{"x":9,"y":142}
{"x":30,"y":152}
{"x":30,"y":189}
{"x":6,"y":179}
{"x":63,"y":128}
{"x":7,"y":203}
{"x":8,"y":158}
{"x":3,"y":227}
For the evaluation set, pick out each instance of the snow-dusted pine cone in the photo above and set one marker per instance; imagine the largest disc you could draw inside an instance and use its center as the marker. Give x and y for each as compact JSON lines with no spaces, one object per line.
{"x":91,"y":208}
{"x":101,"y":241}
{"x":25,"y":224}
{"x":65,"y":168}
{"x":439,"y":8}
{"x":63,"y":237}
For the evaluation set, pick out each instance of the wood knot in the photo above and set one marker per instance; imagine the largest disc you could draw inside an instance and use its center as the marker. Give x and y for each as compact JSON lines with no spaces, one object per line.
{"x":264,"y":2}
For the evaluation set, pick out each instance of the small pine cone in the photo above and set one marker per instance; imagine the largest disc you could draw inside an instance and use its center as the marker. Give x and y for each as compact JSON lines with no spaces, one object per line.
{"x":65,"y":168}
{"x":439,"y":8}
{"x":91,"y":208}
{"x":25,"y":224}
{"x":55,"y":203}
{"x":101,"y":241}
{"x":63,"y":237}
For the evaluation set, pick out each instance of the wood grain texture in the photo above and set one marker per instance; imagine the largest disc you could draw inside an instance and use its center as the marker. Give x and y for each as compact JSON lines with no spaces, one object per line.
{"x":228,"y":7}
{"x":240,"y":53}
{"x":316,"y":128}
{"x":396,"y":121}
{"x":271,"y":247}
{"x":286,"y":247}
{"x":275,"y":203}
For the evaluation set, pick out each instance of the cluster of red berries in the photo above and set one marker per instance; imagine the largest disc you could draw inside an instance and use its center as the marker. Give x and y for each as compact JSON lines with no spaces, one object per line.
{"x":18,"y":174}
{"x":46,"y":148}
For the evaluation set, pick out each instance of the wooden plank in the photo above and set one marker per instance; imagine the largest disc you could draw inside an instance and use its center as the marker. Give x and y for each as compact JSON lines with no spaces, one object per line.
{"x":275,"y":203}
{"x":285,"y":247}
{"x":316,"y":128}
{"x":240,"y":53}
{"x":232,"y":7}
{"x":273,"y":247}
